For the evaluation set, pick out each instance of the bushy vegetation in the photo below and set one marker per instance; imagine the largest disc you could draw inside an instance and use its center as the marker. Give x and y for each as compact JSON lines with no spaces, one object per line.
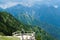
{"x":8,"y":25}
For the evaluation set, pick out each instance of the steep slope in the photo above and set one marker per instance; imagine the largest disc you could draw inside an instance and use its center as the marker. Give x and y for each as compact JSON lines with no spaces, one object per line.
{"x":41,"y":12}
{"x":46,"y":17}
{"x":20,"y":12}
{"x":8,"y":25}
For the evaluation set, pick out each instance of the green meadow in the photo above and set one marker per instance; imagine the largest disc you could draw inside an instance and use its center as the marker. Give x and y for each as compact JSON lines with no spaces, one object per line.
{"x":8,"y":38}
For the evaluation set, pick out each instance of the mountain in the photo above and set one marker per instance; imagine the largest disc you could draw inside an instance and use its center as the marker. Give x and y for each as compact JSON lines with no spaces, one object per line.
{"x":9,"y":24}
{"x":25,"y":14}
{"x":45,"y":17}
{"x":50,"y":16}
{"x":16,"y":10}
{"x":1,"y":9}
{"x":40,"y":13}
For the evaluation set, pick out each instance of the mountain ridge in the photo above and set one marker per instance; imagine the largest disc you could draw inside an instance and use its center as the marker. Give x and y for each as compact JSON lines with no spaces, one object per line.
{"x":8,"y":25}
{"x":25,"y":14}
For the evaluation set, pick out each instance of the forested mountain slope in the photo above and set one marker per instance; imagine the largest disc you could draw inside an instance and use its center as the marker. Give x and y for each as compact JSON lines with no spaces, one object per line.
{"x":9,"y":24}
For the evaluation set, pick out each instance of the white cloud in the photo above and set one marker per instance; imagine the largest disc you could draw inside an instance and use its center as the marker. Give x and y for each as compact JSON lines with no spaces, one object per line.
{"x":10,"y":4}
{"x":28,"y":3}
{"x":56,"y":6}
{"x":7,"y":5}
{"x":39,"y":0}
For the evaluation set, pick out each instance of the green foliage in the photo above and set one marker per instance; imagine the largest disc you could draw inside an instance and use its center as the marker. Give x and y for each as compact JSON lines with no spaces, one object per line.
{"x":8,"y":25}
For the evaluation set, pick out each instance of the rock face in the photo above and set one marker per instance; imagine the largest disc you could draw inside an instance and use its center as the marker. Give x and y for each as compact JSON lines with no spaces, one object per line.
{"x":9,"y":24}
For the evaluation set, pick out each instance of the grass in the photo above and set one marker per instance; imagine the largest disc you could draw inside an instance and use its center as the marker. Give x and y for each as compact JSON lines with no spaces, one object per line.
{"x":8,"y":38}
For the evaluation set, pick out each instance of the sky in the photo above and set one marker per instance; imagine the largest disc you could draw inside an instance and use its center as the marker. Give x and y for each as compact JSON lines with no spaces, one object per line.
{"x":9,"y":3}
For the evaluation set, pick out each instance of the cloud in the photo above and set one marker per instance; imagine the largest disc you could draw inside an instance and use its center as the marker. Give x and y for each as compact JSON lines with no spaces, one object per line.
{"x":56,"y":6}
{"x":25,"y":4}
{"x":4,"y":1}
{"x":7,"y":5}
